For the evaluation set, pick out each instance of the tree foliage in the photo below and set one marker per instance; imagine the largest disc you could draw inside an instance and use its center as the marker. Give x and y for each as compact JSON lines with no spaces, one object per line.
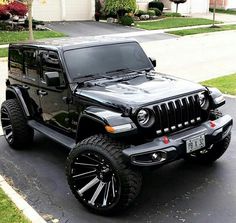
{"x":113,"y":6}
{"x":3,"y":10}
{"x":17,"y":8}
{"x":177,"y":2}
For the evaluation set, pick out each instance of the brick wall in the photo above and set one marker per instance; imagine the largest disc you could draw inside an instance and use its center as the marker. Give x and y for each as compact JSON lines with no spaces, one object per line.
{"x":221,"y":4}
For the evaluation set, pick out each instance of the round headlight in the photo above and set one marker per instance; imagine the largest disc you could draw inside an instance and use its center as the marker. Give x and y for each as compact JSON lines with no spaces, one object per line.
{"x":204,"y":103}
{"x":145,"y":118}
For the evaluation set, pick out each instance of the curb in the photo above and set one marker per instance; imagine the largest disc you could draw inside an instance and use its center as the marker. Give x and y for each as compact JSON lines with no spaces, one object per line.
{"x":20,"y":203}
{"x":229,"y":96}
{"x":3,"y":59}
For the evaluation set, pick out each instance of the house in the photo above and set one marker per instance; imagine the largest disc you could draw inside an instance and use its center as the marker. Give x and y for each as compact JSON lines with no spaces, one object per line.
{"x":69,"y":10}
{"x":223,"y":4}
{"x":190,"y":7}
{"x":63,"y":10}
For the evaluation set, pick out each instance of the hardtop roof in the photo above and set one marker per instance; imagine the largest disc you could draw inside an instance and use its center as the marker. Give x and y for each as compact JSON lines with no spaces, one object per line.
{"x":73,"y":43}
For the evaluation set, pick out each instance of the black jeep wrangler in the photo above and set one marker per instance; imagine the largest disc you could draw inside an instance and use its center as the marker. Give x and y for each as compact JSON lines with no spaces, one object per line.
{"x":103,"y":100}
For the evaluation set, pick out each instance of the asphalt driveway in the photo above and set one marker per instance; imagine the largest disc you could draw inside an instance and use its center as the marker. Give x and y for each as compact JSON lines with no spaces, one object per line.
{"x":179,"y":192}
{"x":92,"y":28}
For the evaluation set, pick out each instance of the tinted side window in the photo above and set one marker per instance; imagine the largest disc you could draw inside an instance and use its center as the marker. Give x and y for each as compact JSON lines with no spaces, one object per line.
{"x":16,"y":61}
{"x":30,"y":63}
{"x":50,"y":62}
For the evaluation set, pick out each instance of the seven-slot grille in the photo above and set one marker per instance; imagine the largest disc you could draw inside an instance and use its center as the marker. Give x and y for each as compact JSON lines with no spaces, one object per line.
{"x":177,"y":114}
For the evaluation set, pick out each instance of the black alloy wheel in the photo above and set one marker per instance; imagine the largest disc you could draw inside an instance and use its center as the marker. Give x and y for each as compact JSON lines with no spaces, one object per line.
{"x":99,"y":177}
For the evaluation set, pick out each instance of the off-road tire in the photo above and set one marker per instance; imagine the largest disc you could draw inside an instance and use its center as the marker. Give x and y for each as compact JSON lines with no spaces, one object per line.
{"x":215,"y":151}
{"x":22,"y":134}
{"x":128,"y":179}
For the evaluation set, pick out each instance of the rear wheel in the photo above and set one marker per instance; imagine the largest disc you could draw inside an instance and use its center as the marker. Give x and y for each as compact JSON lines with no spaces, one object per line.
{"x":14,"y":124}
{"x":99,"y":177}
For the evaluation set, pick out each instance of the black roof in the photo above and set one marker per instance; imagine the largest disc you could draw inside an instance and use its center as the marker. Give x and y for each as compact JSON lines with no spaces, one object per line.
{"x":74,"y":43}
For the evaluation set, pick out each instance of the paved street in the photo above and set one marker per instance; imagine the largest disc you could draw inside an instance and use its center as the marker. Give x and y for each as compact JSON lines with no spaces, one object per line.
{"x":179,"y":192}
{"x":197,"y":57}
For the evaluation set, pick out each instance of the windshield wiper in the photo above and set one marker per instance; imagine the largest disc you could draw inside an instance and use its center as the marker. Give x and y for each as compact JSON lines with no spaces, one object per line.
{"x":123,"y":70}
{"x":81,"y":79}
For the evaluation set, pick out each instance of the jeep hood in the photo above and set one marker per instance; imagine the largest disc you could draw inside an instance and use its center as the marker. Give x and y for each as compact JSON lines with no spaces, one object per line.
{"x":138,"y":92}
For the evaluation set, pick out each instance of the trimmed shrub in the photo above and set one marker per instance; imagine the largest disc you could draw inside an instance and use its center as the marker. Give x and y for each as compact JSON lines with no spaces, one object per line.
{"x":157,"y":11}
{"x":35,"y":23}
{"x":17,"y":8}
{"x":111,"y":15}
{"x":126,"y":20}
{"x":4,"y":14}
{"x":172,"y":14}
{"x":119,"y":5}
{"x":3,"y":10}
{"x":151,"y":13}
{"x":155,"y":4}
{"x":140,"y":12}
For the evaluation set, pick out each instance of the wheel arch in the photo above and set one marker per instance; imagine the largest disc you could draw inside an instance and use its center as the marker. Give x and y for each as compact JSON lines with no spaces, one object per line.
{"x":14,"y":92}
{"x":89,"y":126}
{"x":94,"y":120}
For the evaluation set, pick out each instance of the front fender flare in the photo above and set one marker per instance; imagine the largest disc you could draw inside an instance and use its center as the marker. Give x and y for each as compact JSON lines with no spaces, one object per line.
{"x":102,"y":117}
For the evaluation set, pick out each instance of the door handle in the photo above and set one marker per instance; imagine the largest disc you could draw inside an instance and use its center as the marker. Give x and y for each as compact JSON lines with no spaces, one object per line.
{"x":42,"y":93}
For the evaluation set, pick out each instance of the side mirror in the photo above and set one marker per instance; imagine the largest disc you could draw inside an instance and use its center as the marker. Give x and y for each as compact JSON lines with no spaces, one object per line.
{"x":153,"y":61}
{"x":52,"y":79}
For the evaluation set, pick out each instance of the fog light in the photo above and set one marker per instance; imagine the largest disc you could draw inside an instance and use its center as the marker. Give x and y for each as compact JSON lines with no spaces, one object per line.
{"x":159,"y":157}
{"x":155,"y":157}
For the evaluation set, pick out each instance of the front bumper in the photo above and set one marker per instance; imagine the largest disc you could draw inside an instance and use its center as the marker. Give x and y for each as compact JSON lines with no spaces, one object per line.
{"x":175,"y":147}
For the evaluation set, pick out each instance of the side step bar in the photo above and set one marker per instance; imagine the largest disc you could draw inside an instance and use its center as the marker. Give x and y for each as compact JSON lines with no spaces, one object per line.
{"x":52,"y":134}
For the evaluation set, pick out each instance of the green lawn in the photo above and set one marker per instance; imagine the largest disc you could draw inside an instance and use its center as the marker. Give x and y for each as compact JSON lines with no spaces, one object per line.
{"x":173,"y":23}
{"x":3,"y":52}
{"x":228,"y":11}
{"x":227,"y":84}
{"x":8,"y":212}
{"x":202,"y":30}
{"x":13,"y":37}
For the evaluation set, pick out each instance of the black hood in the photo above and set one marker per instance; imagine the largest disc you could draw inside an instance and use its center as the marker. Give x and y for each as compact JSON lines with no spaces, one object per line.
{"x":138,"y":92}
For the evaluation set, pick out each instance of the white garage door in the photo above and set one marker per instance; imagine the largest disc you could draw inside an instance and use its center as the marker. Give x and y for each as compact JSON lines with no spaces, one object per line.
{"x":200,"y":6}
{"x":49,"y":10}
{"x":78,"y":10}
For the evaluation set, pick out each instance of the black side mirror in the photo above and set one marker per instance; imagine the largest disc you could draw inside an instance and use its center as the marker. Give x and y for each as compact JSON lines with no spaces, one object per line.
{"x":52,"y":79}
{"x":153,"y":61}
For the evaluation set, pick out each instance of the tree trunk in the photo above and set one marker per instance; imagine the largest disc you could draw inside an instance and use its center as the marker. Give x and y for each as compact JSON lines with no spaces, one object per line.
{"x":214,"y":14}
{"x":177,"y":6}
{"x":31,"y":34}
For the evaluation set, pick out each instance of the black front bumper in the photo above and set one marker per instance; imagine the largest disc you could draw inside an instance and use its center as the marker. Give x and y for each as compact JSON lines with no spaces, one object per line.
{"x":175,"y":147}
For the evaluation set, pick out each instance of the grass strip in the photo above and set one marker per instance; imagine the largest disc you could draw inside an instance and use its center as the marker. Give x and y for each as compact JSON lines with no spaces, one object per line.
{"x":226,"y":84}
{"x":194,"y":31}
{"x":19,"y":36}
{"x":8,"y":211}
{"x":173,"y":22}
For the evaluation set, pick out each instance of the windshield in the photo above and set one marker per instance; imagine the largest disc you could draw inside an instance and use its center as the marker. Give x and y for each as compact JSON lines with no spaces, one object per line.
{"x":104,"y":59}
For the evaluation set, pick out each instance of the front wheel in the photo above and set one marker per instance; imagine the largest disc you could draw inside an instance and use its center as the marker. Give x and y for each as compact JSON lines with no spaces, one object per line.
{"x":211,"y":154}
{"x":99,"y":177}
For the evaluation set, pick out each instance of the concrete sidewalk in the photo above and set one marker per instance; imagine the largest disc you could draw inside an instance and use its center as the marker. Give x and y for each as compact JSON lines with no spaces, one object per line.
{"x":223,"y":17}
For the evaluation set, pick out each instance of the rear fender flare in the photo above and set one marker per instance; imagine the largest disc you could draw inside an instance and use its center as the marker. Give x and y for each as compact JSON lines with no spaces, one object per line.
{"x":13,"y":90}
